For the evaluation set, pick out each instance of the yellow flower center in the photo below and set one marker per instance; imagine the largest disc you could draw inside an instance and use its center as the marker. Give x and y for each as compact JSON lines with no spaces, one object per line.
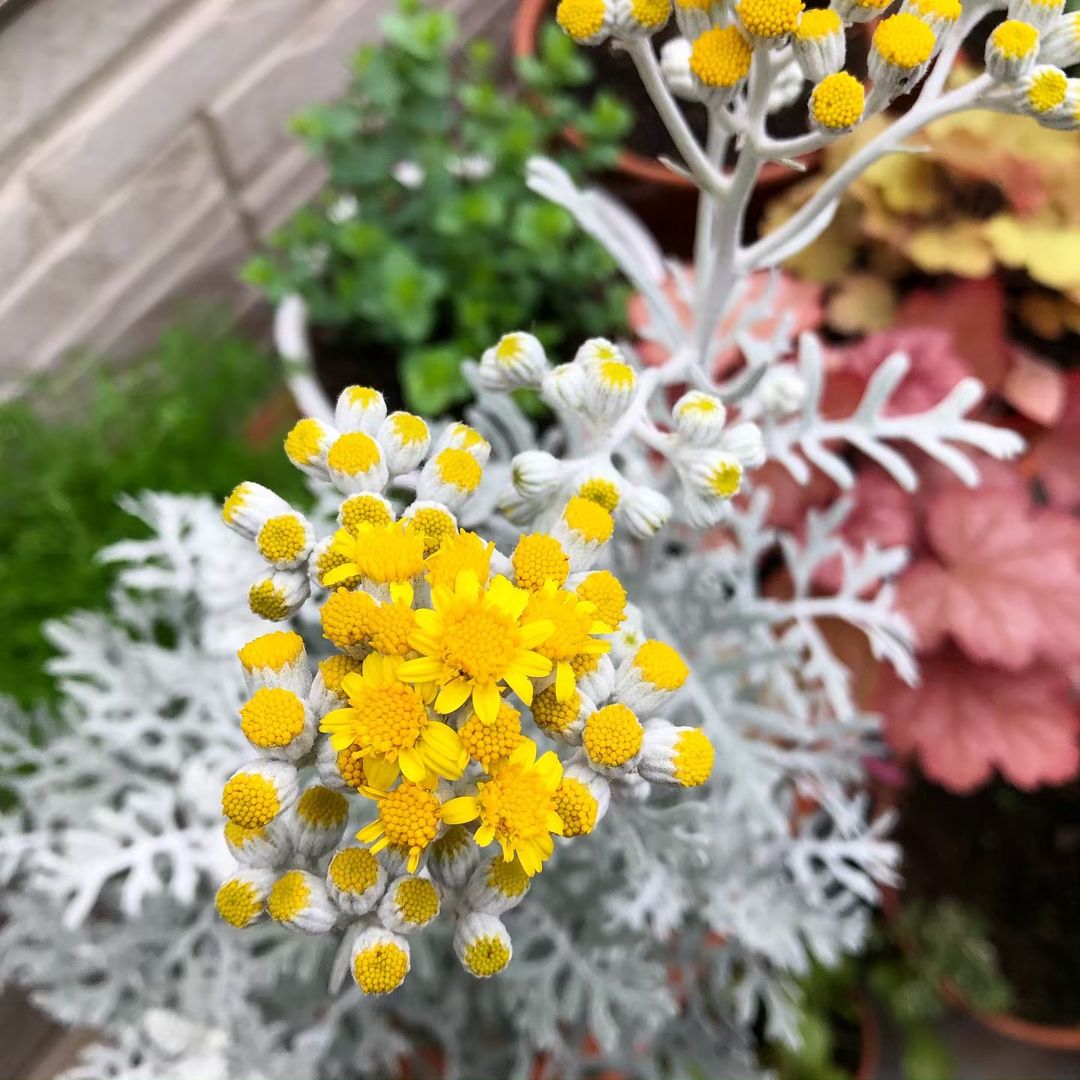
{"x":1047,"y":90}
{"x":387,"y":553}
{"x":904,"y":41}
{"x":1015,"y":39}
{"x":346,"y":618}
{"x":381,"y":968}
{"x":481,"y":642}
{"x":354,"y":870}
{"x":769,"y":18}
{"x":460,"y":551}
{"x":817,"y":24}
{"x":468,"y":437}
{"x":268,"y":601}
{"x":363,"y":509}
{"x":387,"y":719}
{"x":697,"y":402}
{"x":328,"y":560}
{"x":725,"y":478}
{"x":491,"y":743}
{"x":351,"y":766}
{"x":282,"y":538}
{"x":289,"y":896}
{"x":435,"y":525}
{"x":274,"y":651}
{"x":573,"y":619}
{"x":459,"y":469}
{"x":417,"y":901}
{"x":552,"y":716}
{"x":238,"y":903}
{"x":303,"y":444}
{"x":591,"y":521}
{"x":661,"y":666}
{"x":507,"y":877}
{"x":409,"y":816}
{"x":509,"y":349}
{"x":273,"y":717}
{"x":334,"y":669}
{"x":650,"y":14}
{"x":353,"y":453}
{"x":577,"y":806}
{"x":581,"y":19}
{"x":322,"y":807}
{"x":612,"y":736}
{"x":602,"y":492}
{"x":515,"y":802}
{"x":948,"y":10}
{"x":486,"y":956}
{"x":694,"y":757}
{"x":238,"y":836}
{"x":603,"y":589}
{"x":721,"y":57}
{"x":250,"y":801}
{"x":538,"y":559}
{"x":836,"y":103}
{"x":363,"y":397}
{"x":408,"y":429}
{"x":616,"y":375}
{"x":232,"y":505}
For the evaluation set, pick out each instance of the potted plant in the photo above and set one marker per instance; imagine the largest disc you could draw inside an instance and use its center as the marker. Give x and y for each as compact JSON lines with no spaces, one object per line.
{"x":425,"y":242}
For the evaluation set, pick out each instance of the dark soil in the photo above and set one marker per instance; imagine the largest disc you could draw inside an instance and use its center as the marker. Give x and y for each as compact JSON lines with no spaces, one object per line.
{"x":1014,"y":857}
{"x":338,"y":364}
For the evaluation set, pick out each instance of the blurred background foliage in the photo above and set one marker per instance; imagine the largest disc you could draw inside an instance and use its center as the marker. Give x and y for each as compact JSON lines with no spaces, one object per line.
{"x":176,"y":421}
{"x":426,"y":245}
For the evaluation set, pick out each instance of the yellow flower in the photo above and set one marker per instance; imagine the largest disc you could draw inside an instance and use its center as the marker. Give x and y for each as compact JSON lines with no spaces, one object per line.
{"x":410,"y":818}
{"x":516,"y":807}
{"x":382,"y":554}
{"x":475,"y":639}
{"x":388,"y":721}
{"x":575,"y":621}
{"x":460,"y":551}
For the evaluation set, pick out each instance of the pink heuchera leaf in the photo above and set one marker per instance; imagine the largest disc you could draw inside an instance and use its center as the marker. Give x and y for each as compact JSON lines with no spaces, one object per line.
{"x":795,"y":300}
{"x":963,"y":721}
{"x":1006,"y":583}
{"x":1056,"y":456}
{"x":1034,"y":387}
{"x":935,"y":369}
{"x":972,"y":313}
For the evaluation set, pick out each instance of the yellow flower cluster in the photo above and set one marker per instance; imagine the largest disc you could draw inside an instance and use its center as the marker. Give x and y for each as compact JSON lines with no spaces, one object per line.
{"x":444,"y":649}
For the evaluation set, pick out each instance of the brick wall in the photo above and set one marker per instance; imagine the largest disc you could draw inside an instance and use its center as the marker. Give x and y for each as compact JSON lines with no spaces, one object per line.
{"x":143,"y":154}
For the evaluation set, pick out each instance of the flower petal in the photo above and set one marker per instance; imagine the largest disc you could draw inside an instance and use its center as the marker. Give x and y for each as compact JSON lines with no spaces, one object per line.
{"x":486,"y":700}
{"x":421,"y":669}
{"x":458,"y":811}
{"x":564,"y":681}
{"x":453,"y":695}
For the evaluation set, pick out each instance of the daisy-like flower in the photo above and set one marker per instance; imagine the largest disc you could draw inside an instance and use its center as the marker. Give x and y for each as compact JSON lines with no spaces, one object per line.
{"x":357,"y":623}
{"x":410,"y":818}
{"x":461,"y":551}
{"x":380,"y":554}
{"x":474,"y":640}
{"x":515,"y":807}
{"x":576,"y":625}
{"x":388,"y":722}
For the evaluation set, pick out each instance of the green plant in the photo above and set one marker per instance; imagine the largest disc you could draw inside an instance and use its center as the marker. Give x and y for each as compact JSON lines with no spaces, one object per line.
{"x":426,"y":245}
{"x":910,"y":960}
{"x":73,"y":444}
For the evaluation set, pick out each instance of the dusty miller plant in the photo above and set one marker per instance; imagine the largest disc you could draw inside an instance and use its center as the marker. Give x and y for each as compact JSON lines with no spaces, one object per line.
{"x":653,"y":944}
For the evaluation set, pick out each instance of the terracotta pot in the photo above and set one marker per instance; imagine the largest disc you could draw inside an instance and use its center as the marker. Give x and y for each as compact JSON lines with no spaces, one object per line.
{"x":663,"y":199}
{"x":1044,"y":1036}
